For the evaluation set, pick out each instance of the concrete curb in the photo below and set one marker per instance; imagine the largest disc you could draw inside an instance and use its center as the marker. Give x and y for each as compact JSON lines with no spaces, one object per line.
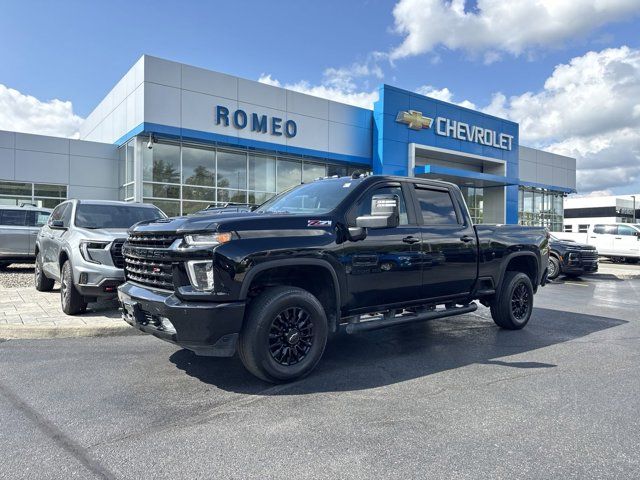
{"x":18,"y":332}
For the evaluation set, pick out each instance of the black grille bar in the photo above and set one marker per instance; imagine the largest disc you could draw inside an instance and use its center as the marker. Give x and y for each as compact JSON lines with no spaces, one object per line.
{"x":116,"y":253}
{"x":147,"y":260}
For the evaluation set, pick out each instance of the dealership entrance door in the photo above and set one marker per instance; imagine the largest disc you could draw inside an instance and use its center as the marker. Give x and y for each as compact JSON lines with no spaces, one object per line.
{"x":483,"y":180}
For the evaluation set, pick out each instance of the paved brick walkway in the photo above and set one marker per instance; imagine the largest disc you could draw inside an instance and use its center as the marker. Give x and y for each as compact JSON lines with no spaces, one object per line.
{"x":26,"y":307}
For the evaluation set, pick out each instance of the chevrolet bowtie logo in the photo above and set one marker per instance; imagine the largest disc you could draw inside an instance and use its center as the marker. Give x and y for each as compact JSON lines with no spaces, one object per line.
{"x":414,"y":119}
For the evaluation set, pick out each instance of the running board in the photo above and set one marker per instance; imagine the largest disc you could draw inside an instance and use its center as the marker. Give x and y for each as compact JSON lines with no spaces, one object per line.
{"x":401,"y":319}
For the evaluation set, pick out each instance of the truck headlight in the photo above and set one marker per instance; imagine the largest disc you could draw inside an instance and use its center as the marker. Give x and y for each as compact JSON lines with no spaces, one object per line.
{"x":94,"y":251}
{"x":201,"y":274}
{"x":206,"y":239}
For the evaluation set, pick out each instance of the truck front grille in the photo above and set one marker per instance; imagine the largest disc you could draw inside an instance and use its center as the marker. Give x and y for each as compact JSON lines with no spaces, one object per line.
{"x":152,"y":240}
{"x":147,"y":260}
{"x":153,"y":273}
{"x":116,"y":253}
{"x":589,"y":255}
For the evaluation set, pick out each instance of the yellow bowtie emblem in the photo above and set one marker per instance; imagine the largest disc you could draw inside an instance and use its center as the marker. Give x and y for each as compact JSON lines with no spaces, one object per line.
{"x":414,"y":119}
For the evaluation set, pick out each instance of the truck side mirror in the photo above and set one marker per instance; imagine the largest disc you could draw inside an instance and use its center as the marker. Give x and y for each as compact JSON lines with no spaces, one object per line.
{"x":57,"y":225}
{"x":357,"y":233}
{"x":384,"y":212}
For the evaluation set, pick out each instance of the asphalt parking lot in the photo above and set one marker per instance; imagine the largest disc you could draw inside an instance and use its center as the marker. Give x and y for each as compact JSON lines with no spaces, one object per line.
{"x":453,"y":398}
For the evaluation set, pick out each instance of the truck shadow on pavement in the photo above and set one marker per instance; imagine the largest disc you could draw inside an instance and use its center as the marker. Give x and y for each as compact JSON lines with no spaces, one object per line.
{"x":385,"y":357}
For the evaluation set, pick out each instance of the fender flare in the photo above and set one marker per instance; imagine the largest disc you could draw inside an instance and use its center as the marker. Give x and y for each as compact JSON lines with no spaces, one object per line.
{"x":291,"y":262}
{"x":507,"y":260}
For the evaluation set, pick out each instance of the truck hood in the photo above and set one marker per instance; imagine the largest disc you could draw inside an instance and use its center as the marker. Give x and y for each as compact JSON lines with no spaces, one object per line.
{"x":231,"y":221}
{"x":572,"y":244}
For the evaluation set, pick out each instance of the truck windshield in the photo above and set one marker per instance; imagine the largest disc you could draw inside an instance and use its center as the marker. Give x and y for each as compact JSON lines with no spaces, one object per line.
{"x":318,"y":197}
{"x":113,"y":216}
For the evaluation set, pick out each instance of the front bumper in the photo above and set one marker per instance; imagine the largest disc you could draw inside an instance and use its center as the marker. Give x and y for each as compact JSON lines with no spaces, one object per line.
{"x":206,"y":328}
{"x":573,"y":263}
{"x":97,"y":280}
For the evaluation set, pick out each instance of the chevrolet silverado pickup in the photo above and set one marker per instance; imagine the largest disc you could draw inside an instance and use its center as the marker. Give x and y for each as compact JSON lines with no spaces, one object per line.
{"x":353,"y":253}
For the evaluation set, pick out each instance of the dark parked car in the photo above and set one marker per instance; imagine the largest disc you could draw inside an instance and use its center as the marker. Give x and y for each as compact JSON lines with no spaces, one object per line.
{"x":342,"y":253}
{"x":571,"y":258}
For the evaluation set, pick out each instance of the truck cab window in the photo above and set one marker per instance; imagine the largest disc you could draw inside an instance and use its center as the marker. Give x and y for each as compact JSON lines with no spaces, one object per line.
{"x":624,"y":230}
{"x":364,"y":205}
{"x":437,"y":207}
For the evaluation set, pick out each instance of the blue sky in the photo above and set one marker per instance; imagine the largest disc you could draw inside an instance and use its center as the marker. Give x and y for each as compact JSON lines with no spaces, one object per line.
{"x":77,"y":50}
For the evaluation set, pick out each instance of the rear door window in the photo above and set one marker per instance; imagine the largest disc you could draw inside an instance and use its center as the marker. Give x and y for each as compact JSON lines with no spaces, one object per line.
{"x":14,"y":218}
{"x":436,"y":206}
{"x":38,"y":218}
{"x":624,"y":230}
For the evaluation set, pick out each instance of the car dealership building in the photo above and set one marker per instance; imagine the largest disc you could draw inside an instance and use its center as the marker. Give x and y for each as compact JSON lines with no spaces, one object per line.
{"x":182,"y":137}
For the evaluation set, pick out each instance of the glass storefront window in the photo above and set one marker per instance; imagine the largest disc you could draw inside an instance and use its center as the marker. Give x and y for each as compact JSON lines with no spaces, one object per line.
{"x":38,"y":194}
{"x":231,"y":170}
{"x":162,"y":163}
{"x":198,"y":166}
{"x":199,"y":193}
{"x":171,"y":208}
{"x":192,"y":207}
{"x":312,"y":171}
{"x":258,"y":198}
{"x":262,"y":173}
{"x":289,"y":174}
{"x":539,"y":207}
{"x":339,"y":170}
{"x":14,"y":188}
{"x":160,"y":190}
{"x":188,"y":177}
{"x":231,"y":196}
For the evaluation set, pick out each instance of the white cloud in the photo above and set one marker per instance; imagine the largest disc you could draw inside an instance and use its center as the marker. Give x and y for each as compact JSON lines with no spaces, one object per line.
{"x":24,"y":113}
{"x":443,"y":94}
{"x":339,"y":84}
{"x":589,"y":109}
{"x":496,"y":26}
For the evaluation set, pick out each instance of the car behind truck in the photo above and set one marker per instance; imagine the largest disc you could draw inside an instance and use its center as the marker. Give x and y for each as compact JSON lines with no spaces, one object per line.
{"x":351,"y":254}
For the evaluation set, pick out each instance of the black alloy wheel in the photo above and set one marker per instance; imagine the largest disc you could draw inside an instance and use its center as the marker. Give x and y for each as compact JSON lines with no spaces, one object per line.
{"x":291,"y":336}
{"x":520,"y":302}
{"x":513,"y":304}
{"x":284,"y":334}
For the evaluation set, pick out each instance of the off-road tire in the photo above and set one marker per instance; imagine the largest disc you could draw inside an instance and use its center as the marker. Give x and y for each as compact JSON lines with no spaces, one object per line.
{"x":40,"y":280}
{"x":258,"y":346}
{"x":506,"y":310}
{"x":70,"y":299}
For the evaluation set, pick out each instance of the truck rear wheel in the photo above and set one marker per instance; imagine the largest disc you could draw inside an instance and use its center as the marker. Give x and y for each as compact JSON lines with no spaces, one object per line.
{"x":284,"y":334}
{"x":513,"y":308}
{"x":71,"y":300}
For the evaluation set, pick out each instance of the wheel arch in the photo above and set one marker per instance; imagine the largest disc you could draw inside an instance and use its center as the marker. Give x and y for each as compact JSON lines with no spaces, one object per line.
{"x":525,"y":262}
{"x":294,"y":272}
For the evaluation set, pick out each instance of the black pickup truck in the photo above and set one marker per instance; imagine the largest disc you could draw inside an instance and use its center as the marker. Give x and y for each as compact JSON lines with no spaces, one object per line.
{"x":353,"y":253}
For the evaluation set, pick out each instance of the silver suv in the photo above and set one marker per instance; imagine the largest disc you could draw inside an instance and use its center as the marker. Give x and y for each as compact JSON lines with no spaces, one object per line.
{"x":81,"y":247}
{"x":18,"y":229}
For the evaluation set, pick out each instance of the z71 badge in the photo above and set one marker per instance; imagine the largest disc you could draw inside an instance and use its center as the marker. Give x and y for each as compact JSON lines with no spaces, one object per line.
{"x":318,"y":223}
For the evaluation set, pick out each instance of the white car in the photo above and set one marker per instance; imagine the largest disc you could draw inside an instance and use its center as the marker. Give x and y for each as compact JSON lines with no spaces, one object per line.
{"x":618,"y":241}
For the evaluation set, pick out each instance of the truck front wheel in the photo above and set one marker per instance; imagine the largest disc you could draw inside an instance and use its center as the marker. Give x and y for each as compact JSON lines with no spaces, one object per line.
{"x":513,"y":308}
{"x":554,"y":268}
{"x":284,"y":334}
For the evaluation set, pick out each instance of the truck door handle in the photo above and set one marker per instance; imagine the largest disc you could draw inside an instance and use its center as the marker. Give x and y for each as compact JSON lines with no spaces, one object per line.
{"x":618,"y":238}
{"x":410,"y":239}
{"x":592,"y":237}
{"x":466,"y":238}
